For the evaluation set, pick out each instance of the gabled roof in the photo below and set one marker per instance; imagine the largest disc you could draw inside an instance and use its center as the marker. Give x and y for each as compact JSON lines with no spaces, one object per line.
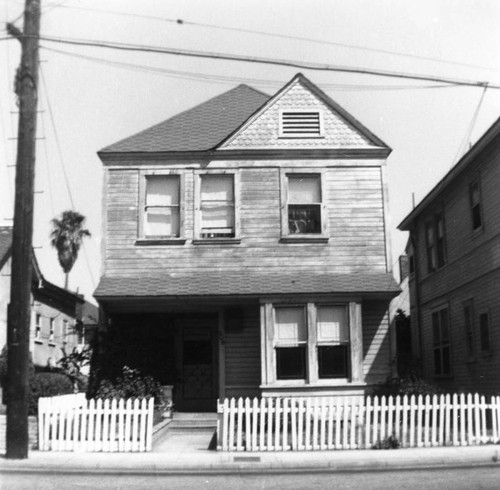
{"x":213,"y":284}
{"x":5,"y":243}
{"x":492,"y":134}
{"x":198,"y":129}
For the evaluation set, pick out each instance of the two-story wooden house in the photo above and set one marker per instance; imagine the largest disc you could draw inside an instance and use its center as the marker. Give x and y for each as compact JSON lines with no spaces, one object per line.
{"x":454,"y":251}
{"x":245,"y":249}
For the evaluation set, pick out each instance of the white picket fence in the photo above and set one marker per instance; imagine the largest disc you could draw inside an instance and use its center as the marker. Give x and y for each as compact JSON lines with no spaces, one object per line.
{"x":73,"y":423}
{"x":322,"y":423}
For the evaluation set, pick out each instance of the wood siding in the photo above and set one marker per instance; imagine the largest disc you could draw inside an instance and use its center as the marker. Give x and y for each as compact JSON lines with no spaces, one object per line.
{"x":355,"y":225}
{"x":471,"y":273}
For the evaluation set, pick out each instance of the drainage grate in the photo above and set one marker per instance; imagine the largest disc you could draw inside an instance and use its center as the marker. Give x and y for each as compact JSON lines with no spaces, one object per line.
{"x":246,"y":459}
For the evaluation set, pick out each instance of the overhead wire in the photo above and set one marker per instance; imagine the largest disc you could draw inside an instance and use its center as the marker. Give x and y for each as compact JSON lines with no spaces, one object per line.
{"x":276,"y":35}
{"x":229,"y":79}
{"x":265,"y":61}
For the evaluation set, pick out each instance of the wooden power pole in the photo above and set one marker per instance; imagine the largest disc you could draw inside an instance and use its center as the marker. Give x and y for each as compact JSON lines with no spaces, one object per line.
{"x":18,"y":331}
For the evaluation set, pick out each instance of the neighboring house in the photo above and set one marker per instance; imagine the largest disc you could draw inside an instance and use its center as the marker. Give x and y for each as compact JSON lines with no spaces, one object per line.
{"x":454,"y":253}
{"x":245,"y":250}
{"x":55,"y":314}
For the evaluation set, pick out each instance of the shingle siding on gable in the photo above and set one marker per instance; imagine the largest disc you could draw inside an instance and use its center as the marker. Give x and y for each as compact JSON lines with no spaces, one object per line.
{"x":263,"y":132}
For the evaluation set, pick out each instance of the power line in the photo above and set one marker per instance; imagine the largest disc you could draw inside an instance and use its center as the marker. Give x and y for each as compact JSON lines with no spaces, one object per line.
{"x":280,"y":36}
{"x":230,"y":79}
{"x":265,"y":61}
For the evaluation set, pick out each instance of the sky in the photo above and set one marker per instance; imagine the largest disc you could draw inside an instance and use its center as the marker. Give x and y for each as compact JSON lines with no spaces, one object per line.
{"x":91,"y":97}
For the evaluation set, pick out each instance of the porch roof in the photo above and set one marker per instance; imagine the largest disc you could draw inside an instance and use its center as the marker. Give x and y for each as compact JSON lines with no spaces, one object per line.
{"x":207,"y":284}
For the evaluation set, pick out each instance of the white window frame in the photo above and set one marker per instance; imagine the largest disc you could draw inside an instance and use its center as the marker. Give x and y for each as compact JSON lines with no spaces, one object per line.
{"x":268,"y":346}
{"x":52,"y":331}
{"x":286,"y":236}
{"x":198,"y":239}
{"x":161,"y":239}
{"x":283,"y":134}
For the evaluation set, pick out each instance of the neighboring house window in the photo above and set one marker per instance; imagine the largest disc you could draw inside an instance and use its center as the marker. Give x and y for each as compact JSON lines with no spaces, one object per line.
{"x":162,"y":206}
{"x":411,"y":264}
{"x":38,"y":327}
{"x":217,"y":206}
{"x":52,"y":331}
{"x":290,"y":342}
{"x":475,"y":205}
{"x":333,"y":342}
{"x":469,"y":330}
{"x":301,"y":124}
{"x":435,"y":242}
{"x":441,"y":343}
{"x":81,"y":334}
{"x":304,"y":204}
{"x":484,"y":330}
{"x":65,"y":332}
{"x":305,"y":350}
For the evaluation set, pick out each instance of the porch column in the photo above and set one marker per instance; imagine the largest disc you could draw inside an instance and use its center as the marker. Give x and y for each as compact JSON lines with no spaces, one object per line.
{"x":222,"y":354}
{"x":356,"y":338}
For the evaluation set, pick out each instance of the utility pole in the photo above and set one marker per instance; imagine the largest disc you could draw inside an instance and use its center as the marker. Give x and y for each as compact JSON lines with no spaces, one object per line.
{"x":19,"y":313}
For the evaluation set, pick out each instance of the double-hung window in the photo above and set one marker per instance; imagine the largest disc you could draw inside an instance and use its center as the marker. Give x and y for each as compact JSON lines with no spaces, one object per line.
{"x":309,"y":344}
{"x":435,"y":242}
{"x":217,"y":206}
{"x":162,"y":206}
{"x":290,"y":342}
{"x":332,"y":341}
{"x":484,"y":331}
{"x":470,"y":347}
{"x":475,"y":205}
{"x":52,"y":331}
{"x":441,"y":343}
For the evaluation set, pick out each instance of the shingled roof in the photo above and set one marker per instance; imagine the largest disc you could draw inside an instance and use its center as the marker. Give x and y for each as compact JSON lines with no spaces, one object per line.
{"x":244,"y":284}
{"x":5,"y":243}
{"x":198,"y":129}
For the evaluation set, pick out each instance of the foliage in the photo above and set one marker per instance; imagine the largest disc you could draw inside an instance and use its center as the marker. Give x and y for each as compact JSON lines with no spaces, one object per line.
{"x":131,"y":384}
{"x":71,"y":365}
{"x":391,"y":442}
{"x":409,"y":385}
{"x":67,"y":236}
{"x":47,"y":384}
{"x":3,"y":371}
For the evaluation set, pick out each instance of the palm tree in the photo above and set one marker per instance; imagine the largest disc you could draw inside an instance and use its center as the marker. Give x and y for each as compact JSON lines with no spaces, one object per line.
{"x":66,"y":236}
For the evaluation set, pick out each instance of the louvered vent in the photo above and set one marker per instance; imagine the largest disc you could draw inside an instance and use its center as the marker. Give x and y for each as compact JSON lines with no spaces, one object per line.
{"x":300,"y":124}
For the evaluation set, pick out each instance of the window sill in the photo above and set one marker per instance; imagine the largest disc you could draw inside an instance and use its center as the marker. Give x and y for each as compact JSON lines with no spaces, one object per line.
{"x":304,"y":239}
{"x":217,"y":241}
{"x":323,"y":383}
{"x":38,"y":341}
{"x":144,"y":242}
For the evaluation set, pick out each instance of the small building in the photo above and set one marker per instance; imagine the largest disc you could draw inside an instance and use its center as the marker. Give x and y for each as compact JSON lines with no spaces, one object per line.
{"x":454,"y":257}
{"x":246,"y":250}
{"x":56,"y":313}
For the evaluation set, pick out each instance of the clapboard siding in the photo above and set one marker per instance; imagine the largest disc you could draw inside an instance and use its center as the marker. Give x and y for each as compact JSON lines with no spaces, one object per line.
{"x":471,"y":273}
{"x":242,"y":355}
{"x":354,"y":215}
{"x":376,"y":345}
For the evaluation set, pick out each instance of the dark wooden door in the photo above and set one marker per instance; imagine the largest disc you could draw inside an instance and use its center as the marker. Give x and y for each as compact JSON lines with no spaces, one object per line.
{"x":198,"y":388}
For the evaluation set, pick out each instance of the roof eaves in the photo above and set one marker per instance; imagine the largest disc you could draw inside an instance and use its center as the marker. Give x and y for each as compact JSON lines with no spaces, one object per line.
{"x":492,"y":132}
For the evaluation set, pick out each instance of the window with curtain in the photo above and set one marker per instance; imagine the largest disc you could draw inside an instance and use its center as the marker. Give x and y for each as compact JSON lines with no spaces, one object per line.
{"x":217,"y":206}
{"x":162,"y":206}
{"x":304,"y":204}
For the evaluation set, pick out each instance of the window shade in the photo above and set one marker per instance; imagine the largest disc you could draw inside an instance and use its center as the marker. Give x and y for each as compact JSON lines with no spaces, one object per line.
{"x":332,"y":324}
{"x":217,"y":188}
{"x":162,"y":190}
{"x":304,"y":190}
{"x":290,"y":325}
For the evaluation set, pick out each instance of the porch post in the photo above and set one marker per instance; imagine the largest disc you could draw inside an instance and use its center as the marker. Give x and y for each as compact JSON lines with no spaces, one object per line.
{"x":222,"y":354}
{"x":356,"y":337}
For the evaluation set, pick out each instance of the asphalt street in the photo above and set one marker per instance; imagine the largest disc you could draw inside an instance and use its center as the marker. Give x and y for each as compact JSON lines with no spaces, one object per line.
{"x":479,"y":477}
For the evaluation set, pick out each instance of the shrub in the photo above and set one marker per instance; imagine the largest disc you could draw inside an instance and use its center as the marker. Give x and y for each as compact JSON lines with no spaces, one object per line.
{"x":390,"y":442}
{"x":131,"y":384}
{"x":47,"y":384}
{"x":409,"y":385}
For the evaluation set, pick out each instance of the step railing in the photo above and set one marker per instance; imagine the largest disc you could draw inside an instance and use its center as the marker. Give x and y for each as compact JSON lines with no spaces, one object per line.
{"x":327,"y":423}
{"x":95,"y":425}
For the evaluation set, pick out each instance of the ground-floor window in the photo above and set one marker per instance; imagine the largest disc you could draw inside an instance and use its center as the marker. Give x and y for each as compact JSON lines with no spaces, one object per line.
{"x":441,"y":343}
{"x":308,"y":343}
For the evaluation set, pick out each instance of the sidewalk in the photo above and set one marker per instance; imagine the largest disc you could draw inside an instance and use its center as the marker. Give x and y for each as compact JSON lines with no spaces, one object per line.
{"x":195,"y":460}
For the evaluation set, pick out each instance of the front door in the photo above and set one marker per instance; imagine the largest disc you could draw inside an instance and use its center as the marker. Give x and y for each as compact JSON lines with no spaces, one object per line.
{"x":198,"y":388}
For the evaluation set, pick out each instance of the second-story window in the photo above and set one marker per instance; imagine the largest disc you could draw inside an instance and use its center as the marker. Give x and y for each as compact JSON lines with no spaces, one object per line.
{"x":475,"y":205}
{"x":162,"y":206}
{"x":435,"y":242}
{"x":217,"y":206}
{"x":304,"y":204}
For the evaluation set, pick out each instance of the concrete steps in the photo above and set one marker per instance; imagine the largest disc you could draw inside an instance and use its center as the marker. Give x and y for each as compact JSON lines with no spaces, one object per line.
{"x":193,"y":422}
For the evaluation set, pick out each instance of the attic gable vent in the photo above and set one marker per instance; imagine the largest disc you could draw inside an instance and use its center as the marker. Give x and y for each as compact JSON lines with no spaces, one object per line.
{"x":300,"y":124}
